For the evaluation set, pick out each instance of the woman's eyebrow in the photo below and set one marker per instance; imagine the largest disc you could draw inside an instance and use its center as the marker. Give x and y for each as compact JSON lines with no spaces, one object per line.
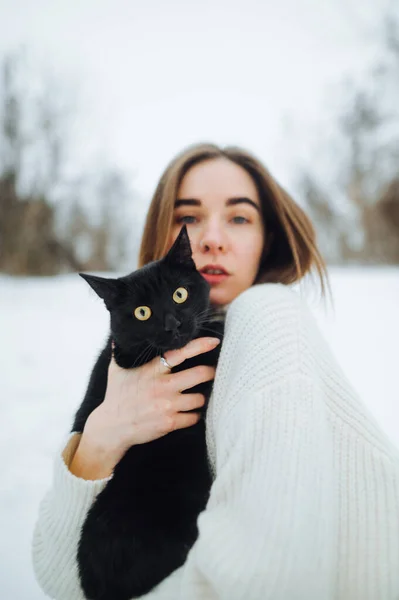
{"x":229,"y":202}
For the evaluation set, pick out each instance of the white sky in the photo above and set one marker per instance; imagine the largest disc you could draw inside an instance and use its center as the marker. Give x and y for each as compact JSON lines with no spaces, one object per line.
{"x":152,"y":77}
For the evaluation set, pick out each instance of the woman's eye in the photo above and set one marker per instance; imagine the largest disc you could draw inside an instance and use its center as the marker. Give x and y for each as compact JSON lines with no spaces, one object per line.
{"x":244,"y":220}
{"x":186,"y":219}
{"x":180,"y":295}
{"x":142,"y":313}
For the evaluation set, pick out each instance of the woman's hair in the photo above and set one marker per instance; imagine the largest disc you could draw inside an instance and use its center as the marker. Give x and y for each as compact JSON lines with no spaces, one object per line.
{"x":290,"y":249}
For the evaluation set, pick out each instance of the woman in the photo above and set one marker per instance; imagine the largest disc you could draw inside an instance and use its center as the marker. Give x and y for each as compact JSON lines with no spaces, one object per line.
{"x":305,"y":499}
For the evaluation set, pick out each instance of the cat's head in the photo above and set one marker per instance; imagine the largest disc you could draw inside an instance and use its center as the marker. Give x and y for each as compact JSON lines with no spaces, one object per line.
{"x":164,"y":303}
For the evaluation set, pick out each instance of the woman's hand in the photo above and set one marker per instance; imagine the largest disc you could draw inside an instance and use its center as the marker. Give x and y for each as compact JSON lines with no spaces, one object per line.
{"x":141,"y":405}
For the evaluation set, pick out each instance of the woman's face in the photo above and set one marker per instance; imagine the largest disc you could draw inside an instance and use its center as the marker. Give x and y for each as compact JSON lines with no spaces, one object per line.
{"x":219,"y":203}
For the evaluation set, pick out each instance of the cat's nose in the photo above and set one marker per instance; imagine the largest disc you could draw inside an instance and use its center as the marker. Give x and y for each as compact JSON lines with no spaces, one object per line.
{"x":171,"y":323}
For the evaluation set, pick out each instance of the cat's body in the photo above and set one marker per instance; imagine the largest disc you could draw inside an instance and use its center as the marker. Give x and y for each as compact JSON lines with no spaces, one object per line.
{"x":142,"y":525}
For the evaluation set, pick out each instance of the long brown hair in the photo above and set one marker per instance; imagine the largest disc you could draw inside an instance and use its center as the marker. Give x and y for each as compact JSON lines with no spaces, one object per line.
{"x":290,"y":250}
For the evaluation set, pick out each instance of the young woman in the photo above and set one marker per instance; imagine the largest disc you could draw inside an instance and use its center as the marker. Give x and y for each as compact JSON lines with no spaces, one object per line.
{"x":305,"y":499}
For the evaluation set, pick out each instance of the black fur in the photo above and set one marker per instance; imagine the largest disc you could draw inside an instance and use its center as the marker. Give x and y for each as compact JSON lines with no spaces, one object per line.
{"x":142,"y":525}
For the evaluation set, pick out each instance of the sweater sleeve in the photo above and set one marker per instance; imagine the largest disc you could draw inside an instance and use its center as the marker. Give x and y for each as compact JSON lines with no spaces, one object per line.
{"x":267,"y":531}
{"x":57,"y":530}
{"x":56,"y":535}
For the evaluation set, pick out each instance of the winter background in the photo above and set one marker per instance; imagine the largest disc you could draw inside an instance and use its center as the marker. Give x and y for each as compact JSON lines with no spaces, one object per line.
{"x":150,"y":79}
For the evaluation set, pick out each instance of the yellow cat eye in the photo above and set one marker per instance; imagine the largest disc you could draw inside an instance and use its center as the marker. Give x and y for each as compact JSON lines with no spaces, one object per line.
{"x":180,"y":295}
{"x":142,"y":313}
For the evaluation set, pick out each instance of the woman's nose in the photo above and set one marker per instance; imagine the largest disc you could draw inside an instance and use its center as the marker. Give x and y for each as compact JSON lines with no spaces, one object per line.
{"x":211,"y":240}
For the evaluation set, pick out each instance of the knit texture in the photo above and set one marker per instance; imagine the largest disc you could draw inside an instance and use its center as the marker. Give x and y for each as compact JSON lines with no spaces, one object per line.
{"x":305,"y":500}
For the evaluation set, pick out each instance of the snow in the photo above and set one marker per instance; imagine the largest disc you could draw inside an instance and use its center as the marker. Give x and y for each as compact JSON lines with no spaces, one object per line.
{"x":51,"y":331}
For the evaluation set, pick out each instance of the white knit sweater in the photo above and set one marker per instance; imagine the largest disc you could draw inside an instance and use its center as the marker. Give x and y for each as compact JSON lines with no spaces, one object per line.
{"x":305,"y":501}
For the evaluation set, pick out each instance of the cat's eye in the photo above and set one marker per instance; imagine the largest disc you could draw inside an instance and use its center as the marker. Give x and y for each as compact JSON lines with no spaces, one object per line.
{"x":180,"y":295}
{"x":142,"y":313}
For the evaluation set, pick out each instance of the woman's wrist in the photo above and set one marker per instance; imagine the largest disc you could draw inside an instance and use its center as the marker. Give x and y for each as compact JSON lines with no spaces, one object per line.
{"x":91,"y":462}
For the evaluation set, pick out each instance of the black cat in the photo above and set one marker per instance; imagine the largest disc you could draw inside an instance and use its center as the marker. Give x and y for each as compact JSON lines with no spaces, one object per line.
{"x":142,"y":525}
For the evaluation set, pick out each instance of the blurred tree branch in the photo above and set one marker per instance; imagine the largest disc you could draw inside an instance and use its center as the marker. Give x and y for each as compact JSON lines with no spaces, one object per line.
{"x":39,"y":235}
{"x":366,"y":168}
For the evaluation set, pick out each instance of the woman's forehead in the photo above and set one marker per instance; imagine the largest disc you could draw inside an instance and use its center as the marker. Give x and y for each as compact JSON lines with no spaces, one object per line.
{"x":217,"y":179}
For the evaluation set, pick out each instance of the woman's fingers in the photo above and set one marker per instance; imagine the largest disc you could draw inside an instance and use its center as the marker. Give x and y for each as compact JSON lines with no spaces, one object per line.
{"x":187,"y":402}
{"x":149,"y":397}
{"x":184,"y":380}
{"x":193,"y":348}
{"x":182,"y":420}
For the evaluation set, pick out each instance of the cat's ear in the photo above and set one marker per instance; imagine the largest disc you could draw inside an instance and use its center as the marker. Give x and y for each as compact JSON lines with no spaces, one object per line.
{"x":110,"y":290}
{"x":180,"y":253}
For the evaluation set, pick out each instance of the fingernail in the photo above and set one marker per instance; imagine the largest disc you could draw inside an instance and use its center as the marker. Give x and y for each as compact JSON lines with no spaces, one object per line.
{"x":213,"y":341}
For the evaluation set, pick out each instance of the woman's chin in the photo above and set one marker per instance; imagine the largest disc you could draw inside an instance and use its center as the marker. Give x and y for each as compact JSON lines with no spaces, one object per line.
{"x":220,"y":297}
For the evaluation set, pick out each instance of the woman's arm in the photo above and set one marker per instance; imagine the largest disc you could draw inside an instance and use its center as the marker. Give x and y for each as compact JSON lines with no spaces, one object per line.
{"x":269,"y":528}
{"x":57,"y":530}
{"x":123,"y":419}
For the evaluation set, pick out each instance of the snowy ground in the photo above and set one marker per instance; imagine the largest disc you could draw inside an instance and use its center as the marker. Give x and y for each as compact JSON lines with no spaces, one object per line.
{"x":51,"y":331}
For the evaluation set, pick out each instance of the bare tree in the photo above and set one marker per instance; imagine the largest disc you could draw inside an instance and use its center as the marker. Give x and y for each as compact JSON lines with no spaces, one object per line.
{"x":366,"y":169}
{"x":38,"y":234}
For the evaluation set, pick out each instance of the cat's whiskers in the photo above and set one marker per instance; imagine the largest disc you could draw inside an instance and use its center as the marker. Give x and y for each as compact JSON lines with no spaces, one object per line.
{"x":204,"y":313}
{"x":150,"y":347}
{"x":201,"y":323}
{"x":146,"y":352}
{"x":218,"y":334}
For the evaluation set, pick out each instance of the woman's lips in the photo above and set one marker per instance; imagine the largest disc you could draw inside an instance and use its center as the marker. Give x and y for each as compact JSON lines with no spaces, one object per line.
{"x":213,"y":279}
